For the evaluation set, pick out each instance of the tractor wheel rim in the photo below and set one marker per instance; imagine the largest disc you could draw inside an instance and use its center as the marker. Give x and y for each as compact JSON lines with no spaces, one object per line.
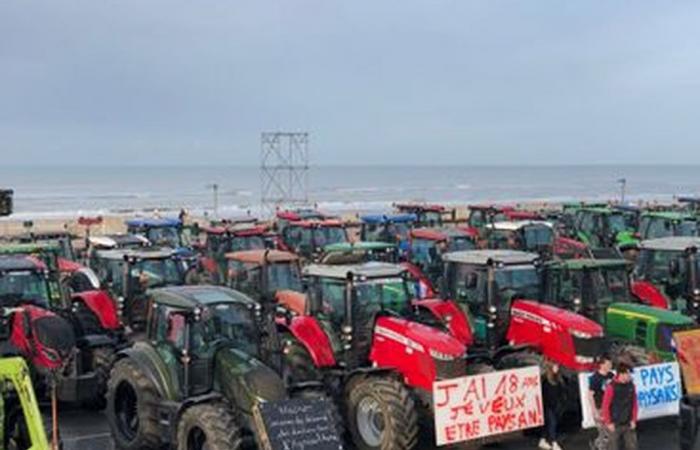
{"x":370,"y":421}
{"x":126,"y":410}
{"x":197,"y":439}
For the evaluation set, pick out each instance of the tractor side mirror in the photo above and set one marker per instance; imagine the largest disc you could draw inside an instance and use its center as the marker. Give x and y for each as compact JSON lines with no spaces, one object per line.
{"x":470,"y":281}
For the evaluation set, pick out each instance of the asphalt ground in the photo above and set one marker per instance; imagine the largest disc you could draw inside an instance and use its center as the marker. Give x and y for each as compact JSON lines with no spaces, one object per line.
{"x":83,"y":430}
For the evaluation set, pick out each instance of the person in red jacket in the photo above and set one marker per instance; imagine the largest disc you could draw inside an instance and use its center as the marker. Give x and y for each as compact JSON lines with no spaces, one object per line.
{"x":619,"y":410}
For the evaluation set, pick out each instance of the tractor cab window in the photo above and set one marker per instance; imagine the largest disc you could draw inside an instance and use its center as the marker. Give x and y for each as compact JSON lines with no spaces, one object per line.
{"x":421,"y":251}
{"x":164,"y":236}
{"x":372,"y":232}
{"x":614,"y":285}
{"x":239,"y":243}
{"x":230,"y":323}
{"x":513,"y":282}
{"x":459,"y":243}
{"x":216,"y":245}
{"x":329,"y":235}
{"x":477,"y":218}
{"x":244,"y":277}
{"x":687,"y":228}
{"x":501,"y":240}
{"x":659,"y":228}
{"x":331,"y":303}
{"x":283,"y":276}
{"x":300,"y":238}
{"x":168,"y":329}
{"x":23,"y":286}
{"x":616,"y":223}
{"x":466,"y":283}
{"x":570,"y":287}
{"x":111,"y":273}
{"x":432,"y":218}
{"x":537,"y":237}
{"x":157,"y":272}
{"x":398,"y":230}
{"x":388,"y":293}
{"x":655,"y":265}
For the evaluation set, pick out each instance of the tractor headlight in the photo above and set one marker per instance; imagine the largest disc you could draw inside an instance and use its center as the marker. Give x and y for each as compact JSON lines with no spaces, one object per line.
{"x":346,"y":329}
{"x":581,"y":334}
{"x":441,"y":356}
{"x":577,"y":301}
{"x":696,"y":292}
{"x":493,"y":309}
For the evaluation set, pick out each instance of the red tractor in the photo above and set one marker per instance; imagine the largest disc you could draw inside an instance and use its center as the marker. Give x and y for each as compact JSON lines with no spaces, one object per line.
{"x":480,"y":216}
{"x":359,"y":332}
{"x":499,"y":290}
{"x":533,"y":236}
{"x":307,"y":238}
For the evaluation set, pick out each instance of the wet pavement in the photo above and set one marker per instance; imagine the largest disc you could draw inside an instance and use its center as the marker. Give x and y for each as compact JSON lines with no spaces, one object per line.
{"x":83,"y":430}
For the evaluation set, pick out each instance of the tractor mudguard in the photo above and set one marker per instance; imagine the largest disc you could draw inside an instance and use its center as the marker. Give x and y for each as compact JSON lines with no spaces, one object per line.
{"x":153,"y":367}
{"x":451,"y":315}
{"x":649,"y":294}
{"x":310,"y":334}
{"x":102,"y":305}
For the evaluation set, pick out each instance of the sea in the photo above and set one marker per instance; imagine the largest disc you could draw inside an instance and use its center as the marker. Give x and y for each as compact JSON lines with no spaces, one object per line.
{"x":45,"y":192}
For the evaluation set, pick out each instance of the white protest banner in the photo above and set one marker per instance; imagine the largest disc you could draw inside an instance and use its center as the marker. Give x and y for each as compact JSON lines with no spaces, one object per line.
{"x":658,"y":392}
{"x":487,"y":404}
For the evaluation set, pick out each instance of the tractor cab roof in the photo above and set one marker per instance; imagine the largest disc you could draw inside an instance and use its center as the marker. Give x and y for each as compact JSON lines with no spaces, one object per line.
{"x":515,"y":225}
{"x":358,"y":271}
{"x":344,"y":253}
{"x":190,"y":297}
{"x":234,"y":221}
{"x":238,"y":229}
{"x":12,"y":263}
{"x":627,"y":208}
{"x":301,"y":214}
{"x":388,"y":218}
{"x":260,"y":256}
{"x":485,"y":257}
{"x":651,"y":313}
{"x":419,"y":207}
{"x":110,"y":241}
{"x":29,"y":248}
{"x":674,"y":243}
{"x":589,"y":263}
{"x":153,"y":223}
{"x":327,"y":223}
{"x":48,"y":235}
{"x":670,"y":215}
{"x":130,"y":253}
{"x":438,"y":233}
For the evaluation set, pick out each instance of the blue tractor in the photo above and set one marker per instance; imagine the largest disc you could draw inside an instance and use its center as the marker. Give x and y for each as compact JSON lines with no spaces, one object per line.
{"x":390,"y":228}
{"x":166,"y":232}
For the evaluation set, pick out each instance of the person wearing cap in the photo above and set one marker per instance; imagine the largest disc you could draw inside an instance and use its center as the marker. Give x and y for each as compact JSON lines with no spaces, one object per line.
{"x":619,"y":409}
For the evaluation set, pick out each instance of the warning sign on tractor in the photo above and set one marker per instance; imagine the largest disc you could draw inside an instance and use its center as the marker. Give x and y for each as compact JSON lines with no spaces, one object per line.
{"x":483,"y":405}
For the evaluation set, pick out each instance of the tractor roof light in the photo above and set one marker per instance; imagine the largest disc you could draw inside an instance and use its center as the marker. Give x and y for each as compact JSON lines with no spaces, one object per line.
{"x":493,"y":309}
{"x":581,"y":334}
{"x":577,"y":301}
{"x":346,"y":329}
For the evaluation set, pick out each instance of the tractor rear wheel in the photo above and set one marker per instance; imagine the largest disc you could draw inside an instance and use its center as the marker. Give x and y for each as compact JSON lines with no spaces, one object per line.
{"x":102,"y":358}
{"x":210,"y":426}
{"x":131,"y":412}
{"x":381,"y":415}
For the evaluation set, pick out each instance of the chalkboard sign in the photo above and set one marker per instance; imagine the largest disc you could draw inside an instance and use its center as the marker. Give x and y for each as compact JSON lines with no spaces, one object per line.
{"x":299,"y":424}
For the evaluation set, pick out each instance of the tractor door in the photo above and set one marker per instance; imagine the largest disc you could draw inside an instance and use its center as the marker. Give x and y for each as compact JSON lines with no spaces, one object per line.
{"x":467,"y":286}
{"x":327,"y":299}
{"x":168,"y":335}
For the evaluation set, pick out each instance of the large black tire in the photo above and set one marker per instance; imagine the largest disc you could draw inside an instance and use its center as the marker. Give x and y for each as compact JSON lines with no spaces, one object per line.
{"x":131,"y":412}
{"x":102,"y":359}
{"x":210,"y":425}
{"x":381,"y":415}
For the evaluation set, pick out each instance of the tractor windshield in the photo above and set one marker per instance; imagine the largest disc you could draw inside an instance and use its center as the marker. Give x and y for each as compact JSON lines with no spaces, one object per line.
{"x":233,"y":323}
{"x":329,"y":235}
{"x":655,"y":265}
{"x":686,"y":228}
{"x":283,"y":276}
{"x":159,"y":272}
{"x":617,"y":224}
{"x":431,"y":218}
{"x":399,"y":230}
{"x":390,"y":293}
{"x":458,"y":243}
{"x":22,"y":286}
{"x":165,"y":236}
{"x":601,"y":287}
{"x":518,"y":282}
{"x":537,"y":237}
{"x":238,"y":243}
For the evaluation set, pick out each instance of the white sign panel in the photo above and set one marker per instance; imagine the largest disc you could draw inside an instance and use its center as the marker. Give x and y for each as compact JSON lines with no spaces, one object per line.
{"x":487,"y":404}
{"x":658,"y":392}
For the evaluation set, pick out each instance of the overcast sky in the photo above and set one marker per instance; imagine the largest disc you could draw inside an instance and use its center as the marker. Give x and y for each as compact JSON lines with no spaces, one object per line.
{"x":385,"y":82}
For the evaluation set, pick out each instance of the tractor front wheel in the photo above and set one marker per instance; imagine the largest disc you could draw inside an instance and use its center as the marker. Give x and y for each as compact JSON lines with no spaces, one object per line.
{"x":209,"y":426}
{"x":381,"y":415}
{"x":131,"y":412}
{"x":102,"y":358}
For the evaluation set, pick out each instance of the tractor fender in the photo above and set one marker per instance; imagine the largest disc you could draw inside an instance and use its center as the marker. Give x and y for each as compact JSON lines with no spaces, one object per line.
{"x":310,"y":334}
{"x":649,"y":294}
{"x":451,"y":315}
{"x":102,"y":305}
{"x":153,"y":367}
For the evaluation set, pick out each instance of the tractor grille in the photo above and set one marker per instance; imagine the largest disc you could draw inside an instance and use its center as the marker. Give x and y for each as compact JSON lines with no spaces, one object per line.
{"x":590,"y":347}
{"x":450,"y":369}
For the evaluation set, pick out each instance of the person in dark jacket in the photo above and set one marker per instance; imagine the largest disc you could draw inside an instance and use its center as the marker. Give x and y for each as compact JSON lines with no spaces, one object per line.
{"x":596,"y":389}
{"x":553,"y":392}
{"x":619,"y":409}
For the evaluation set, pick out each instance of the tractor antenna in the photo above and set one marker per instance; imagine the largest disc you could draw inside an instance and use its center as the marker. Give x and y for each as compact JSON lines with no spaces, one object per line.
{"x":623,"y":186}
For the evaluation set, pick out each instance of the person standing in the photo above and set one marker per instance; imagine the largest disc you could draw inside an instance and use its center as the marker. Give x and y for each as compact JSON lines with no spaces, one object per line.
{"x":552,"y":394}
{"x":619,"y":409}
{"x":596,"y":389}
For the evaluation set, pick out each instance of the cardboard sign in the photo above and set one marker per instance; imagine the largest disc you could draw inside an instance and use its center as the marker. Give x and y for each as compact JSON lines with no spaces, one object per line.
{"x":298,"y":424}
{"x":658,"y":392}
{"x":484,"y":405}
{"x":688,"y":348}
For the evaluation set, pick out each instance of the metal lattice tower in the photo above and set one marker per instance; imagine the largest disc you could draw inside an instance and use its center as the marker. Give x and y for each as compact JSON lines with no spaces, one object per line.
{"x":284,"y":170}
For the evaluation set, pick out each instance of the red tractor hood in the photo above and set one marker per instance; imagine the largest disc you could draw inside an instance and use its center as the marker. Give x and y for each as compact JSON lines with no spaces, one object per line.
{"x":556,"y":317}
{"x":66,"y":265}
{"x":418,"y":337}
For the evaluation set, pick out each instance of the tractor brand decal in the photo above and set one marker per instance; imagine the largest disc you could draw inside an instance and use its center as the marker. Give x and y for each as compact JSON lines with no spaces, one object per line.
{"x":658,"y":392}
{"x":483,"y":405}
{"x":519,"y":313}
{"x":394,"y":336}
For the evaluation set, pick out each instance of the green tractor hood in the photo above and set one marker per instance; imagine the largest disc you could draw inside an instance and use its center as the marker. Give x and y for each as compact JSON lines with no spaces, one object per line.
{"x":245,"y":381}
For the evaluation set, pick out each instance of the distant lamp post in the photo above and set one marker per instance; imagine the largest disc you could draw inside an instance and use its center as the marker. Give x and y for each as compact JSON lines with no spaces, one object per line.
{"x":623,"y":186}
{"x":215,"y":191}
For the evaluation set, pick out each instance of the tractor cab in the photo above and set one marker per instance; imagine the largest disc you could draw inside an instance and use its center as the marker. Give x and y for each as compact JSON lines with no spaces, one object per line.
{"x":690,"y":204}
{"x":285,"y":217}
{"x":261,"y":274}
{"x":499,"y":290}
{"x":390,"y":228}
{"x":162,"y":233}
{"x":526,"y":235}
{"x":631,"y":213}
{"x":426,"y":215}
{"x":307,"y":238}
{"x":428,"y":245}
{"x":660,"y":224}
{"x":25,"y":279}
{"x":60,"y":238}
{"x":666,"y":274}
{"x":481,"y":216}
{"x":587,"y":286}
{"x":605,"y":228}
{"x":359,"y":252}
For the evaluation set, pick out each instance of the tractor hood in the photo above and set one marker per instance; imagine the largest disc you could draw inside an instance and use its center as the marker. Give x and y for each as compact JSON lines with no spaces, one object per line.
{"x":650,"y":313}
{"x":246,"y":381}
{"x":556,"y":316}
{"x":419,"y":337}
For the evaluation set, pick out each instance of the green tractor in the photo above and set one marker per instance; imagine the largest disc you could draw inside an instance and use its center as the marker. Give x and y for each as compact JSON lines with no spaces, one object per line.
{"x":196,"y":380}
{"x":21,"y":425}
{"x":660,"y":224}
{"x":600,"y":290}
{"x":605,"y":230}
